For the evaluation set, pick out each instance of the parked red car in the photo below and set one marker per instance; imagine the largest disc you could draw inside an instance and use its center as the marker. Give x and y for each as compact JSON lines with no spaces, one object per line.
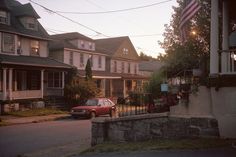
{"x":94,"y":107}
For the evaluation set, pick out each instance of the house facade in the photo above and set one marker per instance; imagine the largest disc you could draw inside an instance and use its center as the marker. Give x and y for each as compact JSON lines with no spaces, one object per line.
{"x":26,"y":72}
{"x":75,"y":49}
{"x":223,"y":65}
{"x":123,"y":64}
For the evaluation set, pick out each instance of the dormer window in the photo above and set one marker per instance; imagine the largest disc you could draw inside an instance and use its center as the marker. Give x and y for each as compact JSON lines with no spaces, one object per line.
{"x":31,"y":23}
{"x":3,"y":17}
{"x":34,"y":46}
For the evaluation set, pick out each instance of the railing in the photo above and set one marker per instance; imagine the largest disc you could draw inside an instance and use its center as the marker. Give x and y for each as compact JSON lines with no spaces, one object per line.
{"x":26,"y":94}
{"x":228,"y":61}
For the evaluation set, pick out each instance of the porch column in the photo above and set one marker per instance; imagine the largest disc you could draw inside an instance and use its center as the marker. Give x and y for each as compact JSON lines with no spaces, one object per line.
{"x":42,"y":84}
{"x":111,"y":88}
{"x":124,"y":88}
{"x":214,"y":56}
{"x":225,"y":45}
{"x":10,"y":83}
{"x":4,"y":86}
{"x":63,"y":82}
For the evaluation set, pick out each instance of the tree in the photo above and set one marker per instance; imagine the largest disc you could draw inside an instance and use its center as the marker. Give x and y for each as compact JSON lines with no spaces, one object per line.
{"x":88,"y":70}
{"x":190,"y":54}
{"x":145,"y":57}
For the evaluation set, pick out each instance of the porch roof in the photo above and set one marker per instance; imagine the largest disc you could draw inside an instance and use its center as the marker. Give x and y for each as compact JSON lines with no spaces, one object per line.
{"x":32,"y":61}
{"x":108,"y":75}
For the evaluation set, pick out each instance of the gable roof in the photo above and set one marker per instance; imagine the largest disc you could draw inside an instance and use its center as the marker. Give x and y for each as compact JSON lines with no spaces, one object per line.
{"x":109,"y":45}
{"x":71,"y":36}
{"x":32,"y":61}
{"x":61,"y":41}
{"x":150,"y":66}
{"x":16,"y":10}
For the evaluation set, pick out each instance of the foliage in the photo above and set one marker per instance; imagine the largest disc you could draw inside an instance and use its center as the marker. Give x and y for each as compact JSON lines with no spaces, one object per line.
{"x":80,"y":90}
{"x":88,"y":70}
{"x":144,"y":57}
{"x":154,"y":85}
{"x":191,"y":54}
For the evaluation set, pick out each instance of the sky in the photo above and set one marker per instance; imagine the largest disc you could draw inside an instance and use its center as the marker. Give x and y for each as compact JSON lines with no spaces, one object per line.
{"x":144,"y":26}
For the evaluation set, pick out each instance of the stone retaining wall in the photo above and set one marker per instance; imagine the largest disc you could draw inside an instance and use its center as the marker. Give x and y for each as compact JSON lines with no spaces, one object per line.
{"x":151,"y":126}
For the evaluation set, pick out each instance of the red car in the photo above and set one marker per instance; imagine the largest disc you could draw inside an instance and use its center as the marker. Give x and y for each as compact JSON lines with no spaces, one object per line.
{"x":94,"y":107}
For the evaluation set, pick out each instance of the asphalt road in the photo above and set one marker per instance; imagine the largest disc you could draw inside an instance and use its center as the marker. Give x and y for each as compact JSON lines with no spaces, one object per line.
{"x":44,"y":137}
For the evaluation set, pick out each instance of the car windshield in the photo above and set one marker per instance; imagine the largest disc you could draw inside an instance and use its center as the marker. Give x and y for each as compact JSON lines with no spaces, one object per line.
{"x":91,"y":102}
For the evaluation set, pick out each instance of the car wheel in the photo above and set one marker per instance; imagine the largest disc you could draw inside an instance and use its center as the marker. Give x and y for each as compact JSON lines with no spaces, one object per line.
{"x":92,"y":115}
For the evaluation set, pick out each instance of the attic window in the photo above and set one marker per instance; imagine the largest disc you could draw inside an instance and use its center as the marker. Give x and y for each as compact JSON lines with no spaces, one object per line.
{"x":3,"y":17}
{"x":125,"y":51}
{"x":31,"y":23}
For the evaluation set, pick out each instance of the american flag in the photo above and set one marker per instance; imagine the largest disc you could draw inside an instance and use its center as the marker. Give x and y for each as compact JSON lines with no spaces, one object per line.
{"x":190,"y":9}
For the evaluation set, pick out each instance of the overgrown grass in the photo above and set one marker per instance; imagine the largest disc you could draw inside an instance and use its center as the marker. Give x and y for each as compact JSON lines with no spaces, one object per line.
{"x":37,"y":112}
{"x":189,"y":144}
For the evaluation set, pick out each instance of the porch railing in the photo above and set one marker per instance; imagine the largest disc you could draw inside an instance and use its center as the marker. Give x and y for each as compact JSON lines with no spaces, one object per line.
{"x":228,"y":61}
{"x":26,"y":94}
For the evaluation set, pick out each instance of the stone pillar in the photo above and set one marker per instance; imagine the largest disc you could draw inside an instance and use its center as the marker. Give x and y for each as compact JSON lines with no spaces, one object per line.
{"x":214,"y":56}
{"x":42,"y":84}
{"x":225,"y":45}
{"x":10,"y":84}
{"x":4,"y":86}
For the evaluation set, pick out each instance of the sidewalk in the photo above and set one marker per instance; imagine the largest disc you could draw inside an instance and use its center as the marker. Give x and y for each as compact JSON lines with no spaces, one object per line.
{"x":12,"y":120}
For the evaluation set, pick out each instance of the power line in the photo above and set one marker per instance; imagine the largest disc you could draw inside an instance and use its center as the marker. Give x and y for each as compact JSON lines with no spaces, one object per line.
{"x":55,"y":12}
{"x":114,"y":11}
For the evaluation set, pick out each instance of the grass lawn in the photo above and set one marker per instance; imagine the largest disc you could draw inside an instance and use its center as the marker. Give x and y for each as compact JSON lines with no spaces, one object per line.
{"x":189,"y":144}
{"x":37,"y":112}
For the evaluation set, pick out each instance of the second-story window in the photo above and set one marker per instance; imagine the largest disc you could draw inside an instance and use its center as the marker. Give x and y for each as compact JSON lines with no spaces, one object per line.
{"x":135,"y":68}
{"x":115,"y":66}
{"x":90,"y":46}
{"x":71,"y":58}
{"x":8,"y":43}
{"x":123,"y":67}
{"x":81,"y":60}
{"x":128,"y":67}
{"x":34,"y":47}
{"x":19,"y":50}
{"x":3,"y":17}
{"x":91,"y":60}
{"x":82,"y":44}
{"x":99,"y":61}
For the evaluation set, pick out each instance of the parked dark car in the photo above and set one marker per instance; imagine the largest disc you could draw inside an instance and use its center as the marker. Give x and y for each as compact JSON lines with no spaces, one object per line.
{"x":94,"y":107}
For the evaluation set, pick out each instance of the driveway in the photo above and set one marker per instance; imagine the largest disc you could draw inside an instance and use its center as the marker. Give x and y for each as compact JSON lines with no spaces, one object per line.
{"x":51,"y":138}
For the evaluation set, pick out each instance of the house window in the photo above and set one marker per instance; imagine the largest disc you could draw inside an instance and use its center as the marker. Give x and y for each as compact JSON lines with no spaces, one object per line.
{"x":82,"y":44}
{"x":81,"y":60}
{"x":34,"y":46}
{"x":3,"y":17}
{"x":8,"y":43}
{"x":71,"y":58}
{"x":54,"y":79}
{"x":99,"y":61}
{"x":115,"y":66}
{"x":90,"y":46}
{"x":128,"y":67}
{"x":125,"y":51}
{"x":19,"y":50}
{"x":31,"y":23}
{"x":91,"y":60}
{"x":135,"y":69}
{"x":122,"y":67}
